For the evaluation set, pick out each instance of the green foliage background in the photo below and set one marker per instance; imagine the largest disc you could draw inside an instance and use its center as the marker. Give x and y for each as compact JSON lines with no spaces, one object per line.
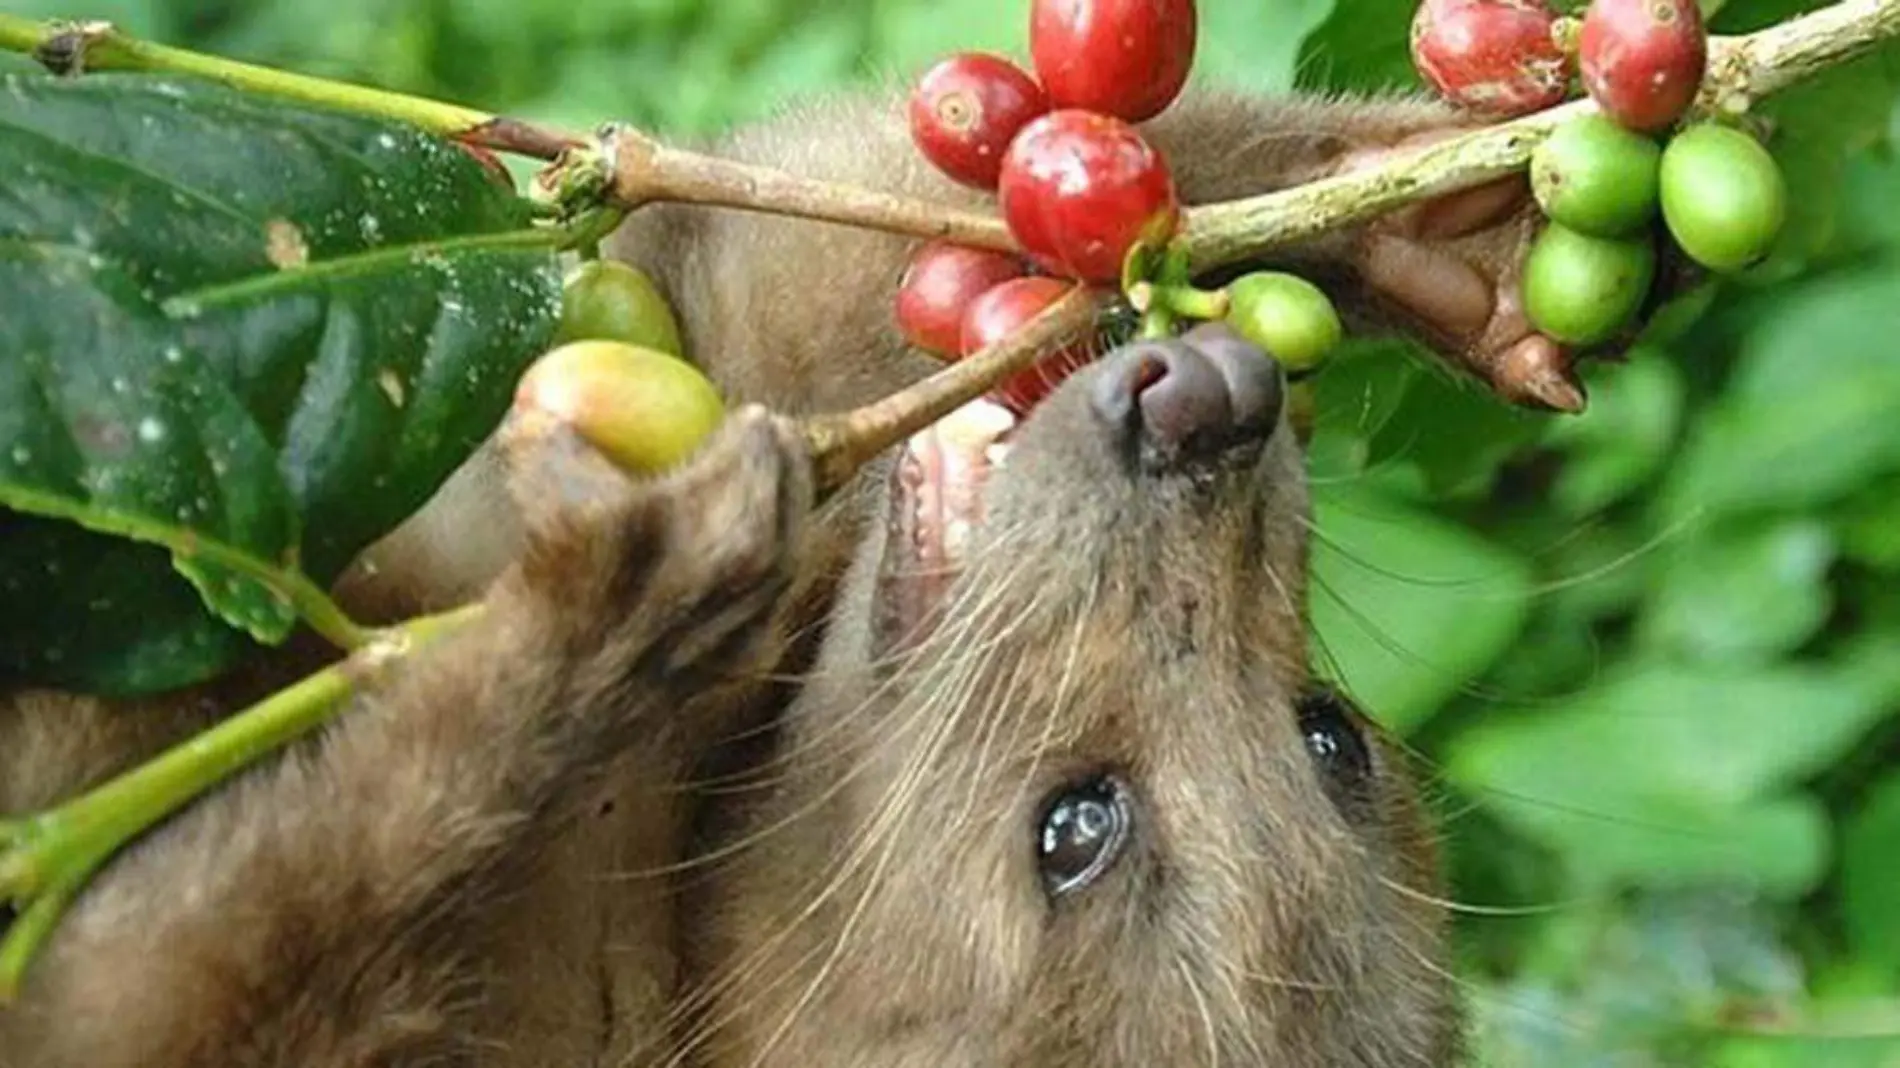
{"x":1651,"y":655}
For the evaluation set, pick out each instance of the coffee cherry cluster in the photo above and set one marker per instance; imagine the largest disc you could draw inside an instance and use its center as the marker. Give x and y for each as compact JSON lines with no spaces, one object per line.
{"x":1602,"y":181}
{"x":1078,"y":185}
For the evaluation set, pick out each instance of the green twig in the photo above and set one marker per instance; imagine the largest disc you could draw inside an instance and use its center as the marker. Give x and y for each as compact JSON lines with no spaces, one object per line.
{"x":320,"y":613}
{"x":71,"y":47}
{"x":586,"y":234}
{"x":1188,"y":302}
{"x":48,"y":858}
{"x":30,"y":932}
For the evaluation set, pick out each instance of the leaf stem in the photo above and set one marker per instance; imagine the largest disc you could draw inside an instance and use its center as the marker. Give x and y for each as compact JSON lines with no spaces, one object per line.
{"x":76,"y":46}
{"x":46,"y":859}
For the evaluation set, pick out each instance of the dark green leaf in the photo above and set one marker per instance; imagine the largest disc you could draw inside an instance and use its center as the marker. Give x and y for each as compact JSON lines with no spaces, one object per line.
{"x":375,"y":378}
{"x":1407,"y":608}
{"x":186,"y":184}
{"x":109,"y":614}
{"x":258,"y":336}
{"x":1744,"y":592}
{"x":1870,"y":875}
{"x":106,"y":422}
{"x":1869,"y":524}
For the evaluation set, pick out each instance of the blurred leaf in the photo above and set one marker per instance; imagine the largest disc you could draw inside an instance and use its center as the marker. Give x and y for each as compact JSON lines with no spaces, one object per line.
{"x":1870,"y":875}
{"x":1671,"y":773}
{"x":1354,"y":397}
{"x":1631,"y":986}
{"x":1846,"y":1051}
{"x":1623,"y":438}
{"x":1593,"y":568}
{"x":1745,"y":592}
{"x":1870,"y":220}
{"x":209,"y":343}
{"x":907,"y":36}
{"x":1869,"y":524}
{"x":146,"y":18}
{"x":1457,"y":433}
{"x":1813,"y":408}
{"x":1407,"y":608}
{"x":1361,"y":45}
{"x":1256,"y":45}
{"x":816,"y":53}
{"x":1777,"y":846}
{"x":1818,"y":125}
{"x":1556,"y":652}
{"x":1689,"y":734}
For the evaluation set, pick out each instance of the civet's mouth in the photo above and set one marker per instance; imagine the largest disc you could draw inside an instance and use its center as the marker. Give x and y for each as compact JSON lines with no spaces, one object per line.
{"x":937,"y":499}
{"x":936,"y":505}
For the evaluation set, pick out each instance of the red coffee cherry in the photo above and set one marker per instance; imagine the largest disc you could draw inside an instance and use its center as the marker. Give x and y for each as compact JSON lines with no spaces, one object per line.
{"x":1497,"y":57}
{"x":1002,"y":311}
{"x":1126,"y":58}
{"x":1643,"y":60}
{"x":965,"y":110}
{"x":938,"y":286}
{"x":1078,"y":189}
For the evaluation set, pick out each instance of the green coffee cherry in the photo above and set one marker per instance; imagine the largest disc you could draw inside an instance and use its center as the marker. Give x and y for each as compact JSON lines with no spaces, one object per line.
{"x":604,"y":300}
{"x":1596,"y":177}
{"x":1581,"y":290}
{"x":1723,"y":196}
{"x":643,"y":409}
{"x":1286,"y":315}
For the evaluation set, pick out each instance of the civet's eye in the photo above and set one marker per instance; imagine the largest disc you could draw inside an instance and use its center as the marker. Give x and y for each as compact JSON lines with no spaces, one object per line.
{"x":1337,"y":745}
{"x":1084,"y":828}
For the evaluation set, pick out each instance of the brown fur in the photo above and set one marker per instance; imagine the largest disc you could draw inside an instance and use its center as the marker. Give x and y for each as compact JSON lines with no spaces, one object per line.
{"x":471,"y":865}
